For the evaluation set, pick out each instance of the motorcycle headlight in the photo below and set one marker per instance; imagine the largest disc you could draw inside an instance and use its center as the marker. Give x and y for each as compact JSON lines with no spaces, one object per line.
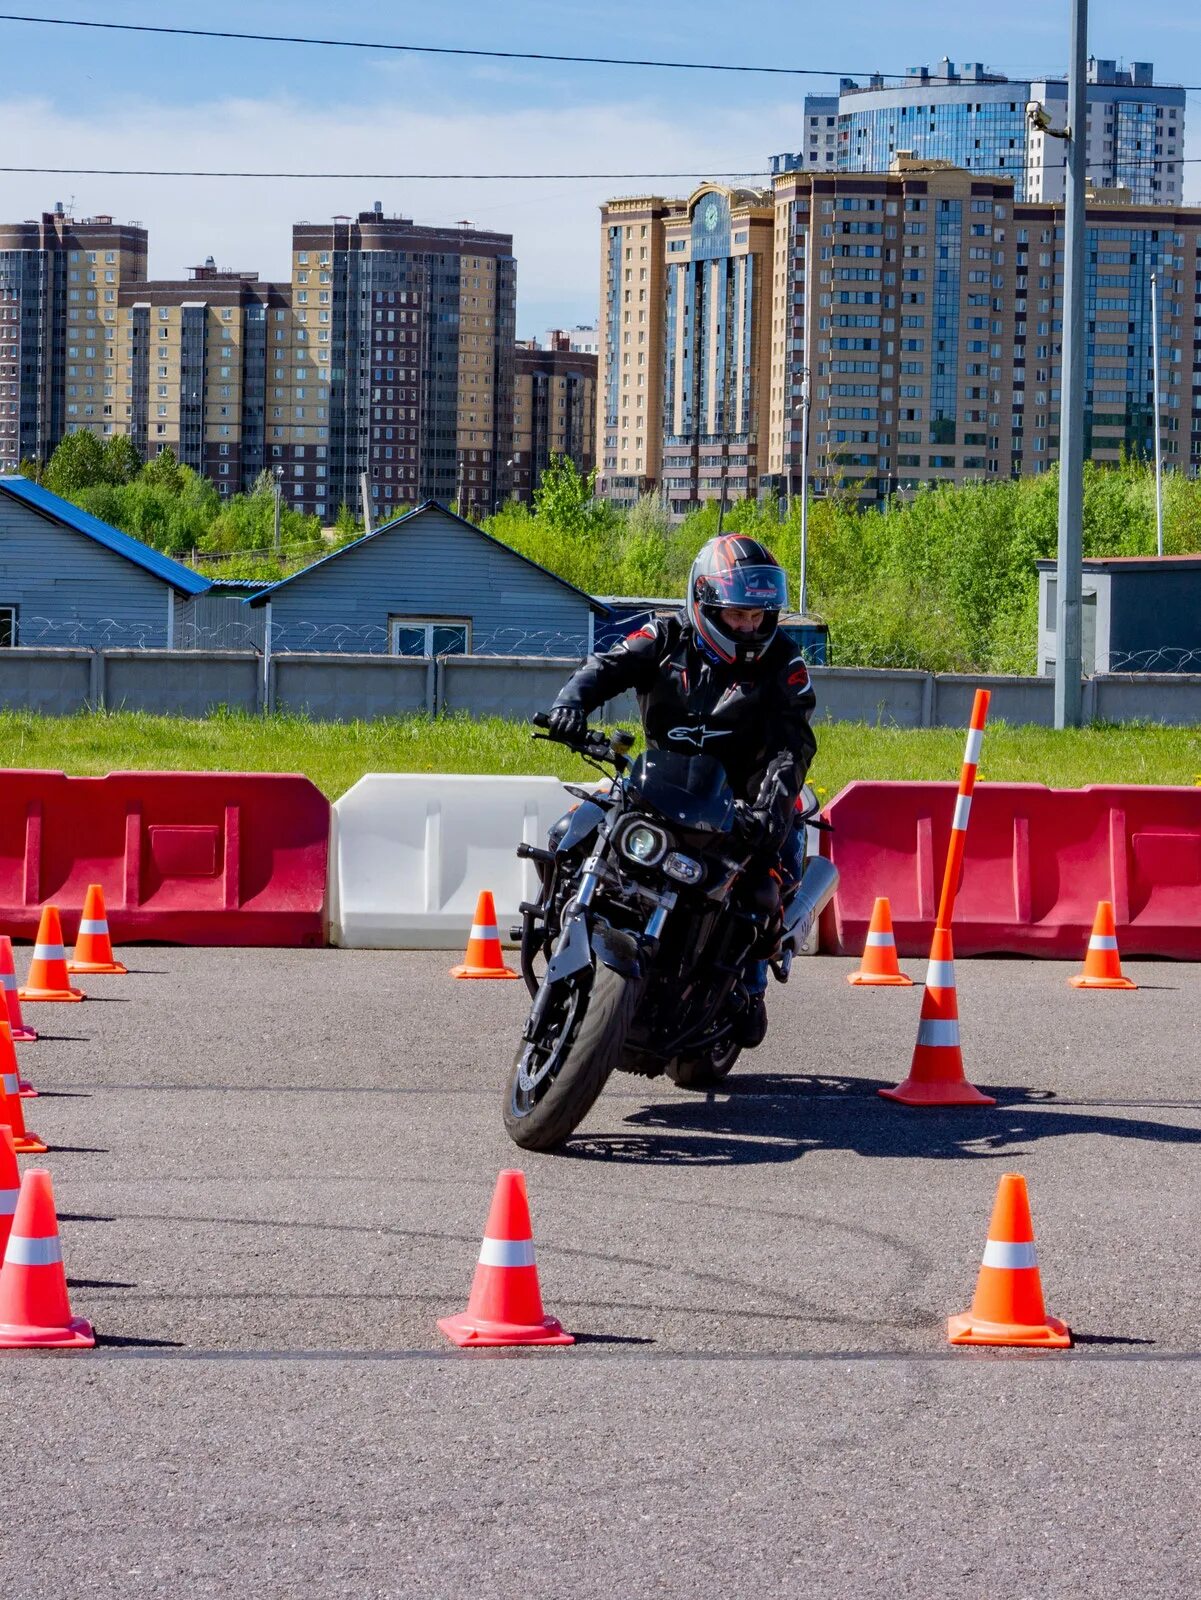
{"x":643,"y":844}
{"x":683,"y":868}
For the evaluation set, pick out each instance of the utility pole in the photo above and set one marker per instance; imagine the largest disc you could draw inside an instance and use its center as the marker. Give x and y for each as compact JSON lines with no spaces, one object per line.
{"x":1071,"y":405}
{"x":365,"y":496}
{"x":721,"y":505}
{"x":1158,"y":439}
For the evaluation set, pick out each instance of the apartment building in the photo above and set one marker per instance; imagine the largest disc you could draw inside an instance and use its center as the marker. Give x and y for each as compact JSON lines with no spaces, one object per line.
{"x":404,"y":341}
{"x":554,"y":410}
{"x":976,"y":119}
{"x":630,"y":382}
{"x":204,"y":362}
{"x":920,"y":313}
{"x":60,"y":357}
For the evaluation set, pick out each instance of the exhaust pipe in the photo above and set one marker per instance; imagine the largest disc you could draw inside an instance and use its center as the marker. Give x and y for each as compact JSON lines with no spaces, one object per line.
{"x":819,"y":881}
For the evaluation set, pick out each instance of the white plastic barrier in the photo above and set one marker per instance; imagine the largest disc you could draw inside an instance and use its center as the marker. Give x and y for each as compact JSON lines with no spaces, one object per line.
{"x":409,"y":854}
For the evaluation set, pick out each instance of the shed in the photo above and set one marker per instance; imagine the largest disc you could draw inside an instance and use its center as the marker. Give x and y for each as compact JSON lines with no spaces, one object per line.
{"x":66,"y":578}
{"x":1140,"y":614}
{"x":428,"y":583}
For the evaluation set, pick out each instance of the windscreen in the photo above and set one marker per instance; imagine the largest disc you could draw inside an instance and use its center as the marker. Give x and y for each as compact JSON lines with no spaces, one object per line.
{"x":691,"y":791}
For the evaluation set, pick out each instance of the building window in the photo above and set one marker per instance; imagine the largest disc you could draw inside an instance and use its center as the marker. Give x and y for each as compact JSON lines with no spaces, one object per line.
{"x":429,"y":636}
{"x":8,"y":627}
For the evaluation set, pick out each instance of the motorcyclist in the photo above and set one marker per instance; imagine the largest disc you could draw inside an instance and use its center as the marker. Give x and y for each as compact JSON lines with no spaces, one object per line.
{"x":720,"y":678}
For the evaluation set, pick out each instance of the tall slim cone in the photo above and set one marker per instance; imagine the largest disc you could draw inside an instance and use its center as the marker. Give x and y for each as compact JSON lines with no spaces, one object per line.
{"x":35,"y":1311}
{"x":483,"y":958}
{"x":936,"y":1075}
{"x":1008,"y":1306}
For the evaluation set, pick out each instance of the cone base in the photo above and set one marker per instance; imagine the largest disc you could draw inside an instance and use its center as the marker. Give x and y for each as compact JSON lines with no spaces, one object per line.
{"x":25,"y":1035}
{"x":61,"y":995}
{"x":954,"y":1093}
{"x":116,"y":969}
{"x":26,"y":1090}
{"x":468,"y":1332}
{"x":28,"y":1144}
{"x":77,"y":1335}
{"x":464,"y":971}
{"x":1081,"y":982}
{"x":885,"y":980}
{"x":1049,"y":1335}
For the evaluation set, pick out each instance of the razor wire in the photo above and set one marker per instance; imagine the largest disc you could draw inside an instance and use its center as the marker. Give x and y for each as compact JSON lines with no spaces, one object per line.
{"x":239,"y":633}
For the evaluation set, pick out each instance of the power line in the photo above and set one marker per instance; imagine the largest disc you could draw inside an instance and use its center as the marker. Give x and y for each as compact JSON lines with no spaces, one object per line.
{"x":449,"y":50}
{"x":391,"y":177}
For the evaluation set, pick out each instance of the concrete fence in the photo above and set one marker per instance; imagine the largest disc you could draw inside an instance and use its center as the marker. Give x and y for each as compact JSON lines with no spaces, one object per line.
{"x":343,"y":688}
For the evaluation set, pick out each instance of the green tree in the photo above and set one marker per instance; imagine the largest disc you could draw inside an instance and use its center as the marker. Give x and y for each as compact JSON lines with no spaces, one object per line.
{"x":164,"y":471}
{"x":122,"y":462}
{"x":77,"y":463}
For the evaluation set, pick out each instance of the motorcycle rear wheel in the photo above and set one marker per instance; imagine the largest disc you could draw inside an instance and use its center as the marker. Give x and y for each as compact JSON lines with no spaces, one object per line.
{"x":543,"y":1120}
{"x":703,"y":1071}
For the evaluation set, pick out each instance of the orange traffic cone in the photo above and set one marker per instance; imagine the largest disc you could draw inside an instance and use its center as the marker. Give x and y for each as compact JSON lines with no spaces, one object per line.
{"x":48,"y":978}
{"x":879,"y":967}
{"x":10,"y":1183}
{"x":8,"y":982}
{"x":11,"y":1110}
{"x":936,"y":1072}
{"x":1102,"y":965}
{"x":505,"y":1306}
{"x":483,"y":958}
{"x":35,"y":1312}
{"x":1008,"y":1306}
{"x":93,"y":948}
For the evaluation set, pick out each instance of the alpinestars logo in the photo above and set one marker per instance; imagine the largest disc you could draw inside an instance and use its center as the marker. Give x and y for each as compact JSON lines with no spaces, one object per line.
{"x":697,"y":736}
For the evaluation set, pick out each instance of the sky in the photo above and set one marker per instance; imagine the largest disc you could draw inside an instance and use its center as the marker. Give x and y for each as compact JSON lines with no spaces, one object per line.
{"x":74,"y":97}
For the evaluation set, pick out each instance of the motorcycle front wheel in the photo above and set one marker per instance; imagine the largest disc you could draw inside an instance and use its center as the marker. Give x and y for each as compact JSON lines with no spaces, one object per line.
{"x":555,"y":1080}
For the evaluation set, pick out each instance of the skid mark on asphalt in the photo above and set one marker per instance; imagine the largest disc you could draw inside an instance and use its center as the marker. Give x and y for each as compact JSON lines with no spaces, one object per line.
{"x":599,"y":1352}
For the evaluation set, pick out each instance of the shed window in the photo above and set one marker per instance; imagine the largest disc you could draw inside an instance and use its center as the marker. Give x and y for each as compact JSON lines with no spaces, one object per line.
{"x":8,"y":627}
{"x":430,"y":636}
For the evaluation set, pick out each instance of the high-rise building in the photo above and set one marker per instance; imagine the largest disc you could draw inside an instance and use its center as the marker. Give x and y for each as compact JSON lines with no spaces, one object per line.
{"x":193,"y":370}
{"x":554,"y":411}
{"x":920,"y":311}
{"x":976,"y":119}
{"x":629,"y":411}
{"x":401,"y":366}
{"x":60,"y":281}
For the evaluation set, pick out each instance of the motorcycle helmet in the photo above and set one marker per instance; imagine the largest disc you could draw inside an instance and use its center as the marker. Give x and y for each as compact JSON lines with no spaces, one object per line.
{"x":735,"y":571}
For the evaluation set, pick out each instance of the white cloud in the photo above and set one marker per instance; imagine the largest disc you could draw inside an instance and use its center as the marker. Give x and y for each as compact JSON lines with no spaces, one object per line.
{"x":247,"y":222}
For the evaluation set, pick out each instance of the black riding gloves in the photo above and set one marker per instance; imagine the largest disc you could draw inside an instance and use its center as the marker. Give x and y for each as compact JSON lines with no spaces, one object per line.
{"x":568,"y":723}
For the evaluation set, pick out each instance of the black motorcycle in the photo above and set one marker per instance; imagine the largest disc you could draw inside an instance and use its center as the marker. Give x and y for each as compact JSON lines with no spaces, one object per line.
{"x":653,"y":899}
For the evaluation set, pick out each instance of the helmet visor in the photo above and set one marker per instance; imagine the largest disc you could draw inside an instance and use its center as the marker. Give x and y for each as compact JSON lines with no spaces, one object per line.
{"x":750,"y":588}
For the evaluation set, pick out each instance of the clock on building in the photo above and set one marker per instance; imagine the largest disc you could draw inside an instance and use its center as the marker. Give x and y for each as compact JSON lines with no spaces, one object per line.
{"x":711,"y":216}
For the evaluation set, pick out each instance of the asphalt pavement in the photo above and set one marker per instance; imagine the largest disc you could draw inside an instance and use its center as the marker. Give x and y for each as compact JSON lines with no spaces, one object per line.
{"x":273,"y":1169}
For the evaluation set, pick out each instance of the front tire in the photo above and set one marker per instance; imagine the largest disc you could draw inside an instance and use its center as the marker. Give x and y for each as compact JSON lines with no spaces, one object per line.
{"x":542,"y":1118}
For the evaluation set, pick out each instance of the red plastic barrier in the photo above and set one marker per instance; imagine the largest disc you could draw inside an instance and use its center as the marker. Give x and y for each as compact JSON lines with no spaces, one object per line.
{"x":203,"y":858}
{"x":1037,"y":862}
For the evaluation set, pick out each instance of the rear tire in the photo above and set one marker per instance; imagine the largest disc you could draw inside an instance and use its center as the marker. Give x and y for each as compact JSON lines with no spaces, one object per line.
{"x":590,"y":1057}
{"x":704,"y":1071}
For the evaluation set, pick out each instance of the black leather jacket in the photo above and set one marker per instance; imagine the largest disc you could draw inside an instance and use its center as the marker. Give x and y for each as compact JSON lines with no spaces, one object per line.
{"x":745,"y":716}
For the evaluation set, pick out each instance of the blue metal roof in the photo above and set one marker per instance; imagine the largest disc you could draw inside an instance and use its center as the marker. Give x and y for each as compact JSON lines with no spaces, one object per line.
{"x":122,"y":544}
{"x":428,"y":505}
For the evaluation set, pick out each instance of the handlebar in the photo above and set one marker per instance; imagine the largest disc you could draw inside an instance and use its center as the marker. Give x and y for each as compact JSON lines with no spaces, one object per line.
{"x":597,"y":744}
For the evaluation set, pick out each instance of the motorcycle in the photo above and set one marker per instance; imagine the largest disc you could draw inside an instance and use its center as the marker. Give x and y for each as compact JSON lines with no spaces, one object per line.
{"x":653,"y":899}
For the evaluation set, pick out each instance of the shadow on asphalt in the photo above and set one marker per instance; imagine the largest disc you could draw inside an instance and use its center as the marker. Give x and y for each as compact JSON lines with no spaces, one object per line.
{"x":769,"y":1118}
